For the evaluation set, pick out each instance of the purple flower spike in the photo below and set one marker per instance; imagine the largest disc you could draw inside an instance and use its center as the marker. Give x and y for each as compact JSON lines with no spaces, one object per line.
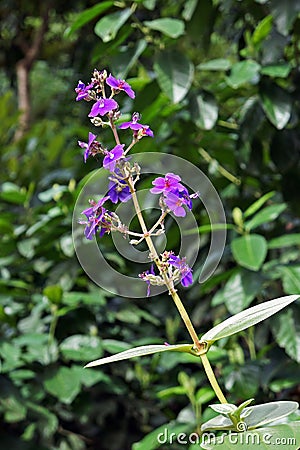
{"x":167,"y":184}
{"x":120,"y":85}
{"x":103,"y":106}
{"x":111,"y":158}
{"x":118,"y":192}
{"x":185,"y":270}
{"x":82,"y":91}
{"x":87,"y":146}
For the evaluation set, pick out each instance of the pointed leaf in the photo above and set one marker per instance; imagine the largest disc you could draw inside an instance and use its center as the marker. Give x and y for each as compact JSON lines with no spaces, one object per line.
{"x":267,"y":214}
{"x":240,"y":289}
{"x":87,"y":15}
{"x":243,"y":72}
{"x":204,"y":110}
{"x":224,"y":408}
{"x":291,"y":279}
{"x":276,"y":70}
{"x":285,"y":241}
{"x":108,"y":27}
{"x":141,"y":351}
{"x":262,"y":29}
{"x":250,"y":251}
{"x":277,"y":105}
{"x":258,"y":204}
{"x":269,"y":412}
{"x":174,"y":74}
{"x":247,"y":318}
{"x":64,"y":384}
{"x":253,"y":416}
{"x":166,"y":25}
{"x":215,"y":64}
{"x":286,"y":329}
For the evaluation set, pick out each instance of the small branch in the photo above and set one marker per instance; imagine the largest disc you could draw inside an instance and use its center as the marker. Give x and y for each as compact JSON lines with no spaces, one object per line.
{"x":114,"y":130}
{"x":220,"y":168}
{"x":133,"y":142}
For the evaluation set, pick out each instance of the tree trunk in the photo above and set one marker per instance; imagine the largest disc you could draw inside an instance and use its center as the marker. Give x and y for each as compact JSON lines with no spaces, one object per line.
{"x":24,"y":102}
{"x":23,"y":68}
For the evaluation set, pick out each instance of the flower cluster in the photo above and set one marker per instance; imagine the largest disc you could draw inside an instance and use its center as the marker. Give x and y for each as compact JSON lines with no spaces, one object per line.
{"x":97,"y":219}
{"x":124,"y":175}
{"x":174,"y":195}
{"x":175,"y":267}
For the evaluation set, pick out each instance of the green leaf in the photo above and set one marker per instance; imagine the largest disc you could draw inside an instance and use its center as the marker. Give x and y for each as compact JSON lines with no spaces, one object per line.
{"x":123,"y":63}
{"x":253,"y":416}
{"x":14,"y":408}
{"x":13,"y":197}
{"x":141,"y":351}
{"x":290,"y":279}
{"x":276,"y":70}
{"x":243,"y":72}
{"x":277,"y":105}
{"x":247,"y":318}
{"x":284,"y":14}
{"x":170,"y":27}
{"x":268,"y":214}
{"x":54,"y":293}
{"x":285,"y":241}
{"x":81,"y":348}
{"x":215,"y":64}
{"x":249,"y":251}
{"x":258,"y":204}
{"x":204,"y":110}
{"x":64,"y":384}
{"x":174,"y":74}
{"x":87,"y":15}
{"x":108,"y":27}
{"x":262,"y":30}
{"x":240,"y":290}
{"x":26,"y":247}
{"x":189,"y":9}
{"x":286,"y":329}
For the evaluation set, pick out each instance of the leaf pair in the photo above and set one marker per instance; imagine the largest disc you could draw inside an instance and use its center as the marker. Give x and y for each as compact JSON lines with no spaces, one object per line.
{"x":230,"y":326}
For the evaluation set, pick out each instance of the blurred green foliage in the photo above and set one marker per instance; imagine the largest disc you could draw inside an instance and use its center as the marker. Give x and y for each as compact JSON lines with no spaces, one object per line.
{"x":218,"y":82}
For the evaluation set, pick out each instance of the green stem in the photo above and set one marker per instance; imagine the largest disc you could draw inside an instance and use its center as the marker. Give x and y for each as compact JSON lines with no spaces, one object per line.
{"x":212,"y":379}
{"x":220,"y":168}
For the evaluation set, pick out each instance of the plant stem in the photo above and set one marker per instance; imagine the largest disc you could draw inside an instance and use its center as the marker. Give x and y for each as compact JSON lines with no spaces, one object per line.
{"x":114,"y":130}
{"x":212,"y":379}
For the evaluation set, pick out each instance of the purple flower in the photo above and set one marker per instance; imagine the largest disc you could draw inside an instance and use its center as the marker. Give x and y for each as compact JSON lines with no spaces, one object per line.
{"x":119,"y":191}
{"x":120,"y":85}
{"x":145,"y":277}
{"x":174,"y":203}
{"x":169,"y":183}
{"x":95,"y":218}
{"x":138,"y":128}
{"x":109,"y":162}
{"x":82,"y":91}
{"x":103,"y":106}
{"x":87,"y":146}
{"x":185,"y":270}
